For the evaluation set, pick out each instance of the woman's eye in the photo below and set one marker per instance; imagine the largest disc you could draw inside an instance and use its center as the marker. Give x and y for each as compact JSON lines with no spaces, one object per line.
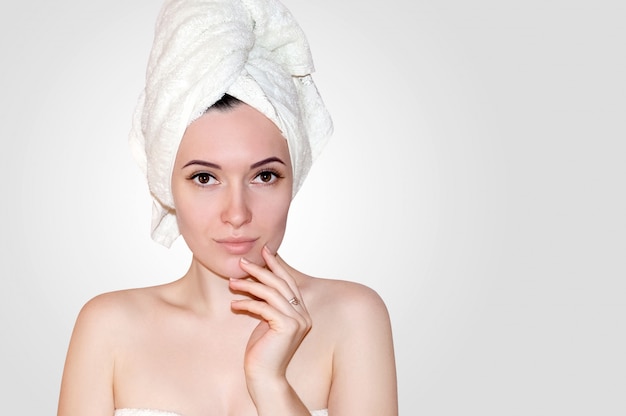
{"x":203,"y":178}
{"x":266,"y":177}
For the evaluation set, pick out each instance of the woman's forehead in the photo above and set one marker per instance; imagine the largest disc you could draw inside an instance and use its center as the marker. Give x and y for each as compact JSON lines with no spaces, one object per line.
{"x":234,"y":134}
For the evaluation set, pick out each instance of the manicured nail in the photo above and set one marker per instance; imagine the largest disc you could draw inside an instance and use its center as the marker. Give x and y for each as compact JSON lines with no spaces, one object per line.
{"x":267,"y":250}
{"x":244,"y":260}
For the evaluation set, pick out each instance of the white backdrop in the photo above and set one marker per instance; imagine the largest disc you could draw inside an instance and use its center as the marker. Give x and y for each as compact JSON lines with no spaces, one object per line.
{"x":476,"y":180}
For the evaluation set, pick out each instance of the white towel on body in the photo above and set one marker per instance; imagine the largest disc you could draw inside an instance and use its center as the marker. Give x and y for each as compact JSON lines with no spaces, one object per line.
{"x":253,"y":50}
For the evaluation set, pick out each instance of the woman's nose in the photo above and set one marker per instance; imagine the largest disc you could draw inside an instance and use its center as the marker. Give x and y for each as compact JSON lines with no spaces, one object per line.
{"x":236,"y":210}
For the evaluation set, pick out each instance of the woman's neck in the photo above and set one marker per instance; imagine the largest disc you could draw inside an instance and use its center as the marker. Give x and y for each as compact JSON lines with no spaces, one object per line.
{"x":205,"y":292}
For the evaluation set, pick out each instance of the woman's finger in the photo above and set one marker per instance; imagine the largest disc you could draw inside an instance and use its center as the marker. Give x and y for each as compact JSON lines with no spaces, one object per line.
{"x":279,"y":267}
{"x":275,"y":276}
{"x":291,"y":322}
{"x":270,"y":295}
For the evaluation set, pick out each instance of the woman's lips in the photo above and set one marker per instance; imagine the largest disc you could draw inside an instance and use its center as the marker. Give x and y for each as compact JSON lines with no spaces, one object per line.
{"x":237,"y":245}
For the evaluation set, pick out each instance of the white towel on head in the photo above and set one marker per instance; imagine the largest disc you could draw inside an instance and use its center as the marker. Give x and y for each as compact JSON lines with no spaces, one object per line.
{"x":253,"y":50}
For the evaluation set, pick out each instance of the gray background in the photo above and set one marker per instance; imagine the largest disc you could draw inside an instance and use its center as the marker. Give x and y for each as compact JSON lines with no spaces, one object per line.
{"x":476,"y":180}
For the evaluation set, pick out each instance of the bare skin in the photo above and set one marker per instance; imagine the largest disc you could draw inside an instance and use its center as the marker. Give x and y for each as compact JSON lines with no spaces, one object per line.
{"x":224,"y":339}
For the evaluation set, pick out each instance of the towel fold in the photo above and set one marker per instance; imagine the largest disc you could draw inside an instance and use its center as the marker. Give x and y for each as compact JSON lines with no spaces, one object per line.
{"x":253,"y":50}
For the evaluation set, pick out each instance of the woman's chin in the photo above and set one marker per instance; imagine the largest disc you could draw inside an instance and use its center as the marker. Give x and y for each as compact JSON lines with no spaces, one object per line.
{"x":230,"y":267}
{"x":233,"y":269}
{"x":238,"y":274}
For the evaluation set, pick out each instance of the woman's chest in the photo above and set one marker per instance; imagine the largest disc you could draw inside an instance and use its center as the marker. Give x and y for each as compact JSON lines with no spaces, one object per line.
{"x":204,"y":372}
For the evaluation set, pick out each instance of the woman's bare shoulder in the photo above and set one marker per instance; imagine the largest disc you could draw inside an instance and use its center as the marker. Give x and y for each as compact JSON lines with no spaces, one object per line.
{"x":342,"y":292}
{"x":342,"y":302}
{"x":112,"y":311}
{"x":353,"y":319}
{"x":127,"y":298}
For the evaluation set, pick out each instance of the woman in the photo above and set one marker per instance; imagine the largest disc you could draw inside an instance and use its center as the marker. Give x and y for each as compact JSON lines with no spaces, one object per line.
{"x":226,"y":130}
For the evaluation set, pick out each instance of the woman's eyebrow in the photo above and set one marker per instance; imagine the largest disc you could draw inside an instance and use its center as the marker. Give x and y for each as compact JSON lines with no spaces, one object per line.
{"x":266,"y":161}
{"x":203,"y":163}
{"x":216,"y":166}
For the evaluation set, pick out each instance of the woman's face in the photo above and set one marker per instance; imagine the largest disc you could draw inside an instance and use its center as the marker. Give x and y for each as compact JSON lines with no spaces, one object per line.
{"x":232,"y":187}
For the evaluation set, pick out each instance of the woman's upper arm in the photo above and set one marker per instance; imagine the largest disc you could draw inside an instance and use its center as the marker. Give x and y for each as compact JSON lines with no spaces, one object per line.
{"x":87,"y":384}
{"x":364,"y":371}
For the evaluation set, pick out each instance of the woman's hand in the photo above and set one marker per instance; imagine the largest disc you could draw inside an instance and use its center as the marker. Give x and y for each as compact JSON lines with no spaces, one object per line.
{"x":284,"y":320}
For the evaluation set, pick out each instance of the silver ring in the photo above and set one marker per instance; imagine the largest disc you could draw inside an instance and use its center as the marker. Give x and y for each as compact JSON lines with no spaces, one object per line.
{"x":294,"y":301}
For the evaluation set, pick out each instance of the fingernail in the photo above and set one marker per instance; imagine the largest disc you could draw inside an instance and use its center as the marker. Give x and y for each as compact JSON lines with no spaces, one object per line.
{"x":244,"y":260}
{"x":267,"y":250}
